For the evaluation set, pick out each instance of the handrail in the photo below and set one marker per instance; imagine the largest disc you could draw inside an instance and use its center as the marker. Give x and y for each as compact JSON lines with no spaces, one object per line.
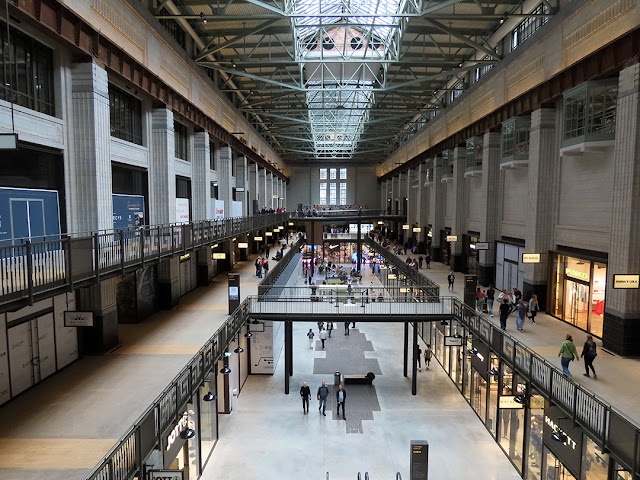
{"x":270,"y":279}
{"x":34,"y":270}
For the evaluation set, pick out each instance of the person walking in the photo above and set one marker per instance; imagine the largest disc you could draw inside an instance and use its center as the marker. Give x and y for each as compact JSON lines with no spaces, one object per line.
{"x":419,"y":357}
{"x":589,"y":353}
{"x":521,"y":314}
{"x":505,"y":310}
{"x":265,"y":266}
{"x":420,"y":260}
{"x":267,"y":251}
{"x":451,"y":278}
{"x":323,"y":393}
{"x":479,"y":299}
{"x":533,"y":308}
{"x":258,"y":266}
{"x":305,"y":393}
{"x":329,"y":328}
{"x":427,"y":260}
{"x":491,"y":293}
{"x":323,"y":336}
{"x":320,"y":326}
{"x":567,"y":353}
{"x":341,"y":398}
{"x":427,"y":356}
{"x":310,"y":336}
{"x":346,"y":327}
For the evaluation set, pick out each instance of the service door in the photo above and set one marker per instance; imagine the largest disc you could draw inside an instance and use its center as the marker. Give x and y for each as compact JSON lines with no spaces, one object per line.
{"x":20,"y":357}
{"x":46,"y":346}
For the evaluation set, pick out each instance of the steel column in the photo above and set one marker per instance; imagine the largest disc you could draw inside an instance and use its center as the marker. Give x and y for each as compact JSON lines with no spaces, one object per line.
{"x":414,"y":365}
{"x":406,"y":348}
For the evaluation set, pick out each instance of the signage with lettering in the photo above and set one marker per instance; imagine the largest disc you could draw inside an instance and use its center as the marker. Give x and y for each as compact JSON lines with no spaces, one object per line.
{"x":626,"y":281}
{"x":569,"y":451}
{"x":182,"y":210}
{"x":453,"y":341}
{"x":172,"y":442}
{"x":569,"y":272}
{"x":405,"y":227}
{"x":508,"y":401}
{"x":530,"y":258}
{"x":452,"y":238}
{"x":482,"y":246}
{"x":419,"y":465}
{"x":165,"y":474}
{"x":417,"y":229}
{"x":128,"y":211}
{"x":392,"y":276}
{"x":269,"y":234}
{"x":218,"y":256}
{"x":257,"y":239}
{"x":243,"y":245}
{"x":78,"y":319}
{"x":239,"y":189}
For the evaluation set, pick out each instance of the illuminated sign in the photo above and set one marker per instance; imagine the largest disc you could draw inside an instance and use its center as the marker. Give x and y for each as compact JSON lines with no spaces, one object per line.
{"x":569,"y":442}
{"x":257,"y":239}
{"x":482,"y":246}
{"x":239,"y":189}
{"x":576,"y":274}
{"x":291,"y":224}
{"x":243,"y":245}
{"x":509,"y":401}
{"x":530,"y":258}
{"x":218,"y":256}
{"x":269,"y":234}
{"x":175,"y":433}
{"x":405,"y":227}
{"x":452,"y":238}
{"x":392,"y":276}
{"x":185,"y":257}
{"x":214,"y":246}
{"x":274,"y":196}
{"x":417,"y":230}
{"x":380,"y":222}
{"x":626,"y":281}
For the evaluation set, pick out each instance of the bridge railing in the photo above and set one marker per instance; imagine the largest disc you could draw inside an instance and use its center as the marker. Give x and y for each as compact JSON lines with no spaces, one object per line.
{"x":30,"y":268}
{"x":368,"y":212}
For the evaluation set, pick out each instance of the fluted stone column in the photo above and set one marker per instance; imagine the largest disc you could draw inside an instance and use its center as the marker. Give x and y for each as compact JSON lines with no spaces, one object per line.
{"x":437,"y":207}
{"x":395,"y":194}
{"x":262,"y":188}
{"x":162,"y":174}
{"x":241,"y":182}
{"x":490,"y":202}
{"x":202,"y":177}
{"x":460,"y":210}
{"x":252,"y":173}
{"x":423,"y":203}
{"x":91,"y":203}
{"x":543,"y":156}
{"x":269,"y":190}
{"x":224,"y":157}
{"x":622,"y":306}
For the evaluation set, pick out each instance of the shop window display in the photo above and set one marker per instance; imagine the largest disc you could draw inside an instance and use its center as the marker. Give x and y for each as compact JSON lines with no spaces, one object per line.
{"x":492,"y":415}
{"x":595,"y":463}
{"x":554,"y":470}
{"x":479,"y":395}
{"x":534,"y":460}
{"x":512,"y":420}
{"x":619,"y":473}
{"x":466,"y":381}
{"x":208,"y":423}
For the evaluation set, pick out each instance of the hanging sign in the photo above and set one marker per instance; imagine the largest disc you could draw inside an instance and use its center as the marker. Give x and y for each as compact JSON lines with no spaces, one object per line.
{"x":453,"y":341}
{"x":165,"y":474}
{"x":405,"y":227}
{"x":78,"y":319}
{"x":530,"y":258}
{"x":482,"y":246}
{"x":243,"y":245}
{"x":452,"y":238}
{"x":626,"y":281}
{"x":417,"y":230}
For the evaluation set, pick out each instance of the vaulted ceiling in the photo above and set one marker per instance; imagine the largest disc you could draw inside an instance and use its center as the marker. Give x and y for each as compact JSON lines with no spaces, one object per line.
{"x":340,"y":79}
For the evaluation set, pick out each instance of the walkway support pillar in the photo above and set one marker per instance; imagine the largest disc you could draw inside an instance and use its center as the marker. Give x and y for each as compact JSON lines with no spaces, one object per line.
{"x":287,"y":342}
{"x":414,"y":364}
{"x":406,"y":348}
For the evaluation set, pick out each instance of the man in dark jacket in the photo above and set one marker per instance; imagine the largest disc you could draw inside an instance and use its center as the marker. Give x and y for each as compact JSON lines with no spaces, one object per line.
{"x":305,"y":393}
{"x":323,"y":393}
{"x":341,"y":398}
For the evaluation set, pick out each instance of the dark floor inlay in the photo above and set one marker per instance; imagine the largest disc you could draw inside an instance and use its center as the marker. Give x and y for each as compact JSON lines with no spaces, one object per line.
{"x":362,"y":401}
{"x":345,"y":354}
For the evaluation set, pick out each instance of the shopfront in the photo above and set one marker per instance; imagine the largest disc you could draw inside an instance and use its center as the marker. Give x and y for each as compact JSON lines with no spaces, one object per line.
{"x":469,"y":247}
{"x":509,"y":266}
{"x":578,"y":291}
{"x":180,"y":445}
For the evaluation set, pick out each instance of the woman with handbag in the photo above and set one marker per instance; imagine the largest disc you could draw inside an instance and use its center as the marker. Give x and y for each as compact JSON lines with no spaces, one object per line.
{"x":533,"y":308}
{"x":589,"y":354}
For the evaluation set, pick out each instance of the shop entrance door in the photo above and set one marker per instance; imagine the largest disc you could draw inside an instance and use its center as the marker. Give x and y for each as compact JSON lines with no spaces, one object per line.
{"x":576,"y":303}
{"x":554,"y":470}
{"x":510,"y":275}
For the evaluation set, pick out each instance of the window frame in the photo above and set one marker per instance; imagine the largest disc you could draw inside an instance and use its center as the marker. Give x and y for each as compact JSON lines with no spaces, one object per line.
{"x":180,"y":147}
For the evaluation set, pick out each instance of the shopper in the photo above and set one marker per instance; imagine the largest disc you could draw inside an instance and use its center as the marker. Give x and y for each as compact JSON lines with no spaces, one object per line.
{"x":258,"y":266}
{"x":427,"y":260}
{"x":521,"y":314}
{"x":533,"y":308}
{"x":323,"y":336}
{"x":505,"y":310}
{"x":451,"y":278}
{"x":305,"y":393}
{"x":589,"y":353}
{"x":419,"y":357}
{"x":567,"y":353}
{"x":329,"y":328}
{"x":420,"y":260}
{"x":490,"y":297}
{"x":427,"y":356}
{"x":320,"y":326}
{"x":323,"y":393}
{"x":479,"y":299}
{"x":346,"y":327}
{"x":265,"y":266}
{"x":310,"y":336}
{"x":341,"y":398}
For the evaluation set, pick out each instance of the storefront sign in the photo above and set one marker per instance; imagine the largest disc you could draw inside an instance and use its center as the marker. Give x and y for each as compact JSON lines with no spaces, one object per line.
{"x":243,"y":245}
{"x":392,"y":276}
{"x":530,"y":258}
{"x":569,"y":451}
{"x":509,"y":401}
{"x":482,"y":246}
{"x":182,"y":210}
{"x":218,"y":256}
{"x":569,"y":272}
{"x":185,"y":257}
{"x":78,"y":319}
{"x":417,"y":230}
{"x":175,"y":433}
{"x":626,"y":281}
{"x":257,"y":239}
{"x":239,"y":189}
{"x":165,"y":474}
{"x":480,"y":360}
{"x":537,"y":401}
{"x":452,"y":238}
{"x":172,"y":442}
{"x":269,"y":234}
{"x":274,"y":196}
{"x":405,"y":227}
{"x":453,"y":341}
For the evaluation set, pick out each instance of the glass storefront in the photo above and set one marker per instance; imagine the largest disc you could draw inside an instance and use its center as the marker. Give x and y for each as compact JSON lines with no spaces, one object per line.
{"x":208,"y":423}
{"x":578,"y":292}
{"x":554,"y":469}
{"x":536,"y":419}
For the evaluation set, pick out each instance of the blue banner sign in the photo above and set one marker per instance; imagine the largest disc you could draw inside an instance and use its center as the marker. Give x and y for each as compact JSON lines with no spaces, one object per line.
{"x":28,"y":213}
{"x":128,"y":212}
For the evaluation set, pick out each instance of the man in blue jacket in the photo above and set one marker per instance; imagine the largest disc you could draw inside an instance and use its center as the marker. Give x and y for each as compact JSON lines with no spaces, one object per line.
{"x":341,"y":398}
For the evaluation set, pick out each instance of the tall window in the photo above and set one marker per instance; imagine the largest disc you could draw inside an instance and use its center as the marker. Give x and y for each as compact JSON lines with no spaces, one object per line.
{"x":343,"y":174}
{"x":212,"y":155}
{"x":529,"y":26}
{"x":126,"y":116}
{"x":175,"y":30}
{"x":323,"y":193}
{"x":27,"y":72}
{"x":343,"y":193}
{"x":332,"y":173}
{"x":323,"y":174}
{"x":332,"y":194}
{"x":181,"y":140}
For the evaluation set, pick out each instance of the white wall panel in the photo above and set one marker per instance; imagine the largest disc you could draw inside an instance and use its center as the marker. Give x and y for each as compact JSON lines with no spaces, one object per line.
{"x":20,"y":356}
{"x":4,"y":361}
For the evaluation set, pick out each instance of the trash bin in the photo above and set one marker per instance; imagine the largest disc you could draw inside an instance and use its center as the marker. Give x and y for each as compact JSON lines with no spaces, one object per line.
{"x":336,"y":378}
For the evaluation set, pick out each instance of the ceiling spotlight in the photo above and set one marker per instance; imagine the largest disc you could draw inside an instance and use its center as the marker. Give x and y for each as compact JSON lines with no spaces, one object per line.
{"x":501,"y":21}
{"x":248,"y":335}
{"x":225,"y":371}
{"x":239,"y":350}
{"x":559,"y":436}
{"x":188,"y":433}
{"x":209,"y":397}
{"x":459,"y":65}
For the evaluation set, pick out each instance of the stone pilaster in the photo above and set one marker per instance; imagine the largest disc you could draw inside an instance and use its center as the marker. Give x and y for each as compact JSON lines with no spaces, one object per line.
{"x":202,"y":177}
{"x":543,"y":156}
{"x":241,"y":182}
{"x":270,"y":190}
{"x":91,"y":203}
{"x":460,"y":210}
{"x":101,"y":300}
{"x":622,"y":306}
{"x":436,"y":207}
{"x":224,"y":157}
{"x":262,"y":188}
{"x":162,"y":174}
{"x":423,"y":203}
{"x":252,"y":174}
{"x":395,"y":194}
{"x":490,"y":220}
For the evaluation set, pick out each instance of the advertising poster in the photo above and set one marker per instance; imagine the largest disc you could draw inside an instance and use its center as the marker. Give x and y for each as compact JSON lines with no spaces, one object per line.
{"x":128,"y":211}
{"x":28,"y":213}
{"x":262,"y":350}
{"x":182,"y":210}
{"x":218,"y":209}
{"x":236,"y":209}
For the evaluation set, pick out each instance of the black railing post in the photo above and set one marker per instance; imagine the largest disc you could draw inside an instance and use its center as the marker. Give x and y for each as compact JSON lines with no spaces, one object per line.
{"x":142,"y":246}
{"x":122,"y":251}
{"x":406,"y":349}
{"x":29,"y":272}
{"x":96,"y":253}
{"x":67,"y":261}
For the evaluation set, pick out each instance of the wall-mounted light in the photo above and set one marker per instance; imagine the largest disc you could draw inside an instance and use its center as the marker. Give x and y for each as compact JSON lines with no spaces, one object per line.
{"x":225,"y":371}
{"x":239,"y":350}
{"x":209,"y":397}
{"x":559,"y":436}
{"x":248,"y":335}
